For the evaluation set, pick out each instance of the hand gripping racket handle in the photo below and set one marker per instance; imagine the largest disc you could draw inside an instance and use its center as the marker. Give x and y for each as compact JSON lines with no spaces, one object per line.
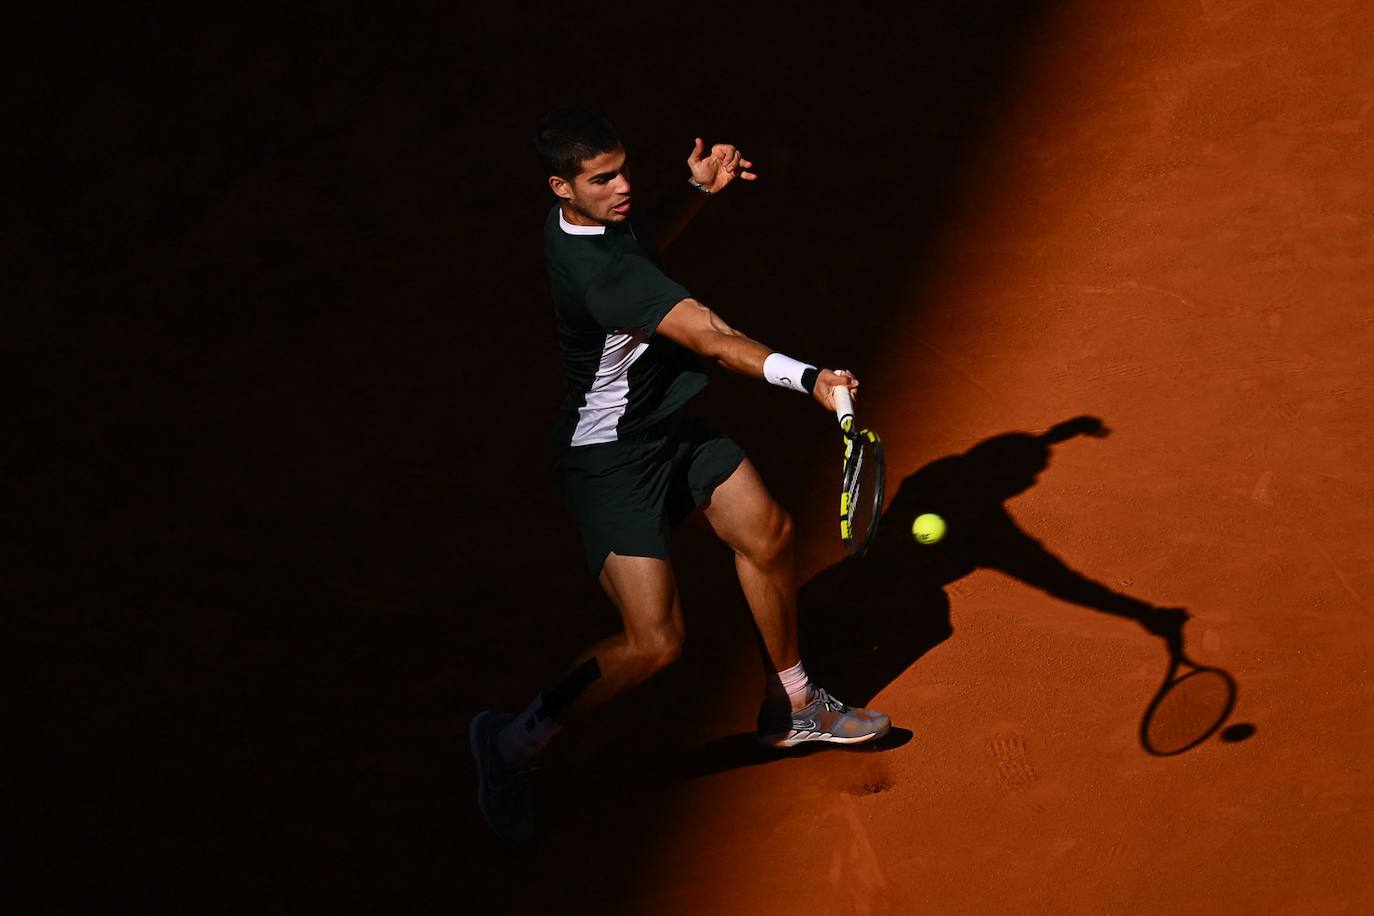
{"x":844,"y":409}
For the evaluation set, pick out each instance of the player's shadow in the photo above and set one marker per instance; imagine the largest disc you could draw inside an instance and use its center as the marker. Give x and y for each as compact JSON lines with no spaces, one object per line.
{"x":865,"y":621}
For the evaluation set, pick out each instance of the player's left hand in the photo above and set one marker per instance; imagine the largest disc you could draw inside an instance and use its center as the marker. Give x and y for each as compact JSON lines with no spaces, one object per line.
{"x":721,"y":166}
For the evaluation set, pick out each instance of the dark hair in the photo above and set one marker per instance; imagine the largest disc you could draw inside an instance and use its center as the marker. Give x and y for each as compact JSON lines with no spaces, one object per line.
{"x":570,"y":136}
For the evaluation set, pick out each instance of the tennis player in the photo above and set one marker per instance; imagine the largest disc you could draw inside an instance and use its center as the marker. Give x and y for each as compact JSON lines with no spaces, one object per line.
{"x":630,"y":464}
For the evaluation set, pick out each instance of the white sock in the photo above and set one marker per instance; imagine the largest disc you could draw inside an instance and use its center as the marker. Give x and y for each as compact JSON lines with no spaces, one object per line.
{"x":527,"y":734}
{"x":795,"y":683}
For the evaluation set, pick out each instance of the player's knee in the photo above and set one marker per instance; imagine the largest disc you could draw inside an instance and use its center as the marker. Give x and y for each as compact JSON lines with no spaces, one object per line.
{"x":657,"y":650}
{"x":783,"y":540}
{"x":775,"y":539}
{"x":669,"y":651}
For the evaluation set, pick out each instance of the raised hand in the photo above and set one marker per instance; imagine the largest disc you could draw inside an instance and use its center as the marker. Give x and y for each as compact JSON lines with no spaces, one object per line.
{"x":716,"y":169}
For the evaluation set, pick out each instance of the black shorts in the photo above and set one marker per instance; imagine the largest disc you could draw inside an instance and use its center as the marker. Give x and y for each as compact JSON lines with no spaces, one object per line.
{"x":625,"y":496}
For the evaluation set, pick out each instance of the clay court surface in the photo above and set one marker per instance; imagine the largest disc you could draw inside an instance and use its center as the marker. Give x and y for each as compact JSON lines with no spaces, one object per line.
{"x":285,"y":523}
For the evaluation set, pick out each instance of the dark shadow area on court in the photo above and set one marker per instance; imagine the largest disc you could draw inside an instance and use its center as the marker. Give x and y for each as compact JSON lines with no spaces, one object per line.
{"x":268,"y":556}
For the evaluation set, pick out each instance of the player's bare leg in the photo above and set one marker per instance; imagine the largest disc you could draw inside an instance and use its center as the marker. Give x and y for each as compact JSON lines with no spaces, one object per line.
{"x":644,"y":590}
{"x":745,"y":516}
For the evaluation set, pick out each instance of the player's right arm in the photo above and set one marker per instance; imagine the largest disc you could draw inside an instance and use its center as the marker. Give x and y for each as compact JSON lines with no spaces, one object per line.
{"x":696,"y":327}
{"x":1019,"y":555}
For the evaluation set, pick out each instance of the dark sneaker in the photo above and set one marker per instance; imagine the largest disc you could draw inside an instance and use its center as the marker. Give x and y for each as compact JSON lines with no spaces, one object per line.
{"x":503,"y":789}
{"x":826,"y":719}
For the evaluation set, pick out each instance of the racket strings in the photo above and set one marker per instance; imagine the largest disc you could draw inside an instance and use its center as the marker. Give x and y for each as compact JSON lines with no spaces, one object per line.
{"x":1188,"y":710}
{"x":852,"y":478}
{"x":861,"y":499}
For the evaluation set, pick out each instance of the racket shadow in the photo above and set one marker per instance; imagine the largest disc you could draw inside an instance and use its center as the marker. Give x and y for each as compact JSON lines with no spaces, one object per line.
{"x":866,"y":620}
{"x":1191,"y":705}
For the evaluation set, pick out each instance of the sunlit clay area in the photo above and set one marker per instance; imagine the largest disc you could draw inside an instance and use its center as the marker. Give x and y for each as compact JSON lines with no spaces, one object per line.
{"x":403,"y":517}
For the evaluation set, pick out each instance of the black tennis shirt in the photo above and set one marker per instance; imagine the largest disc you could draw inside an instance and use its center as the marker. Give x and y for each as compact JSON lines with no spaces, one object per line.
{"x":609,"y":294}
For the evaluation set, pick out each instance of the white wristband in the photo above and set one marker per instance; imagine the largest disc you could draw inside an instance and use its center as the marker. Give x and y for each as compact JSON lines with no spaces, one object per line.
{"x":785,"y":371}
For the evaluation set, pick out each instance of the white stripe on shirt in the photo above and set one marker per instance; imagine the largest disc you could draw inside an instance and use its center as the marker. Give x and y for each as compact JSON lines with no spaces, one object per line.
{"x":610,"y":392}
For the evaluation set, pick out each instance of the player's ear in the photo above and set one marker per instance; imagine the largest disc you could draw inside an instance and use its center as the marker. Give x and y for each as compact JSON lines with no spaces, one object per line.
{"x":561,"y":187}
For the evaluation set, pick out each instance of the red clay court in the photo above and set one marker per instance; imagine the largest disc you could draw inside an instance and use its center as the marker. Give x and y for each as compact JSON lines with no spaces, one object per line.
{"x":274,"y":563}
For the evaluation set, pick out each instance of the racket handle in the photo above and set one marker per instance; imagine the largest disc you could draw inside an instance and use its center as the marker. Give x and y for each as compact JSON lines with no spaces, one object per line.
{"x":844,"y":408}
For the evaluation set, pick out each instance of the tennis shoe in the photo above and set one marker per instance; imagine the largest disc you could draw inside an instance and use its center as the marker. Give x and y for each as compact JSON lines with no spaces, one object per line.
{"x":503,"y":789}
{"x":824,"y":719}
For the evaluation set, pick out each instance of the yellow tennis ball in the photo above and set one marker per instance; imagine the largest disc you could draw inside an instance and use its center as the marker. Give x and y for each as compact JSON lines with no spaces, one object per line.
{"x":928,"y":528}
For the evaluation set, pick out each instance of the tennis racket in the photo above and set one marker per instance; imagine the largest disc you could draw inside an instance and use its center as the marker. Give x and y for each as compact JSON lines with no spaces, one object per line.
{"x":1190,"y":706}
{"x":864,"y":482}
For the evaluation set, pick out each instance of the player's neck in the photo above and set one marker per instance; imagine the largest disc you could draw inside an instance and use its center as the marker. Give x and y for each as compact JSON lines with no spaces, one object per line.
{"x":573,"y":218}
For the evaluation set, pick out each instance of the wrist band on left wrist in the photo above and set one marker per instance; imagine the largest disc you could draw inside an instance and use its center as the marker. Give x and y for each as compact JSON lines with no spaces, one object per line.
{"x":699,"y":186}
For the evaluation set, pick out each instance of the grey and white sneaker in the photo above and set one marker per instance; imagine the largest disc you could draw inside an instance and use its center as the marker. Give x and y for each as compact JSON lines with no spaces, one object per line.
{"x":825,"y":719}
{"x":503,"y":789}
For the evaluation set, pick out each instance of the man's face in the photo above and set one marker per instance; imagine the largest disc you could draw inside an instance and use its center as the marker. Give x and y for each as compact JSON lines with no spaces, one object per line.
{"x":600,"y":194}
